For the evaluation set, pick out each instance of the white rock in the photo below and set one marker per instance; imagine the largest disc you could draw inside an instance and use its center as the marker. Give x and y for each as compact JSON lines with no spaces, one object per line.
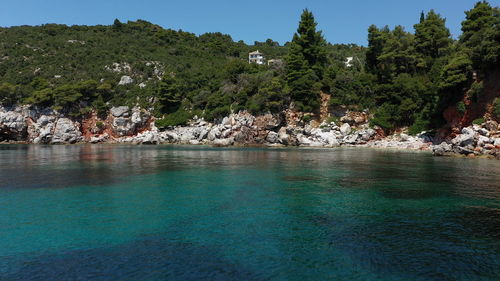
{"x":224,"y":142}
{"x":496,"y":142}
{"x":169,"y":136}
{"x":483,"y":132}
{"x":482,"y":140}
{"x":351,"y":139}
{"x":467,"y":131}
{"x":441,"y":149}
{"x":226,"y":133}
{"x":100,"y":138}
{"x":328,"y":138}
{"x":283,"y":137}
{"x":148,"y":137}
{"x":125,"y":80}
{"x":464,"y":139}
{"x":272,"y":137}
{"x":367,"y":134}
{"x":345,"y":129}
{"x":66,"y":132}
{"x":119,"y":111}
{"x":214,"y":133}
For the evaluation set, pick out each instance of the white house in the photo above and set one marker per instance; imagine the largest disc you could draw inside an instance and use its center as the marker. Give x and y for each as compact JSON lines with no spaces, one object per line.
{"x":348,"y":61}
{"x":256,"y":57}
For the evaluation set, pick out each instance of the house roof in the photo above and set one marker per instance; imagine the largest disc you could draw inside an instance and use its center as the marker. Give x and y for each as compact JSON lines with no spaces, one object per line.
{"x":256,"y":53}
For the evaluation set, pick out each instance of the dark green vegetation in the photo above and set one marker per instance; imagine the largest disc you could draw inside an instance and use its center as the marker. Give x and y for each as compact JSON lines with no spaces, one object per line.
{"x":415,"y":77}
{"x":306,"y":63}
{"x":405,"y":79}
{"x":76,"y":69}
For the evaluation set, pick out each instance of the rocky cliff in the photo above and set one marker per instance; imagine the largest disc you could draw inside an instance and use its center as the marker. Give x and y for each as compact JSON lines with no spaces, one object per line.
{"x":135,"y":125}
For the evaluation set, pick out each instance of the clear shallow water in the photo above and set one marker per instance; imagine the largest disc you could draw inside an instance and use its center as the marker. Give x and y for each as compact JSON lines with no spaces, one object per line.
{"x":197,"y":213}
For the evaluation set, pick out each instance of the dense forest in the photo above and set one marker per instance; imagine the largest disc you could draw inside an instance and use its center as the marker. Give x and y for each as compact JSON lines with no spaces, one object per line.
{"x":405,"y":79}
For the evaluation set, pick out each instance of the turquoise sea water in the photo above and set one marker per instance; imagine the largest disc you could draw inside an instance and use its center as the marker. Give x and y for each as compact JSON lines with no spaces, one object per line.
{"x":108,"y":212}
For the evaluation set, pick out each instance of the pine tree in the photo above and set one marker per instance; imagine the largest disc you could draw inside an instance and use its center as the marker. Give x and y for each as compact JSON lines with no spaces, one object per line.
{"x":306,"y":63}
{"x":376,"y":42}
{"x":117,"y":25}
{"x":422,"y":17}
{"x":481,"y":35}
{"x":169,"y":92}
{"x":432,"y":38}
{"x":398,"y":54}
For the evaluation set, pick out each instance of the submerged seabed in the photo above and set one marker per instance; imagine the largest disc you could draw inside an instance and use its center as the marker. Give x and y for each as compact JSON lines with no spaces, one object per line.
{"x":111,"y":212}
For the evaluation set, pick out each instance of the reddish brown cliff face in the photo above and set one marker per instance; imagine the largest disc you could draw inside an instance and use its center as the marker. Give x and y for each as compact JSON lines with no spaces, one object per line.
{"x":478,"y":107}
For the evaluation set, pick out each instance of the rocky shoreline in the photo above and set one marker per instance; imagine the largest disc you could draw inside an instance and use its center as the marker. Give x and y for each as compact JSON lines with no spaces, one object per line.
{"x":24,"y":124}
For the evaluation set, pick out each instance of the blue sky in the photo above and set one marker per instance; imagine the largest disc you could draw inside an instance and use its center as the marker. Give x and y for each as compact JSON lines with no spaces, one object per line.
{"x":342,"y":21}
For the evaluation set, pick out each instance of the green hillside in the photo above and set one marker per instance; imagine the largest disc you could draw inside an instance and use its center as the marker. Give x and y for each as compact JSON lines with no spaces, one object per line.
{"x":58,"y":65}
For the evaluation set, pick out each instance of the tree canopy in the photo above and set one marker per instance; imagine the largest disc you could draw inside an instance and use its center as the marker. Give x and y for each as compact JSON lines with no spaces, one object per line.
{"x":306,"y":63}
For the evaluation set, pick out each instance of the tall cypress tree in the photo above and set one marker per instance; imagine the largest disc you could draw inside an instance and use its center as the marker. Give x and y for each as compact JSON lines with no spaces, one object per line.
{"x":306,"y":63}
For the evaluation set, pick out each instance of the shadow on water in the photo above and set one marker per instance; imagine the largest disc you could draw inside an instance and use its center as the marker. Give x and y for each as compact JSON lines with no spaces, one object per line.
{"x":433,"y":250}
{"x":300,"y":178}
{"x":409,"y":194}
{"x":151,"y":259}
{"x":479,"y":222}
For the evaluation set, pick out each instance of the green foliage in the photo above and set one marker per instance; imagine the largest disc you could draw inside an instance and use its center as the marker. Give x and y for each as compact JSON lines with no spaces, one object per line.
{"x":333,"y":119}
{"x":376,"y":42}
{"x":306,"y":63}
{"x":218,"y":112}
{"x":384,"y":117}
{"x":170,"y":93}
{"x":178,"y":118}
{"x":100,"y":125}
{"x":352,"y":88}
{"x":432,"y":38}
{"x":117,"y":25}
{"x":481,"y":35}
{"x":456,"y":73}
{"x":8,"y":94}
{"x":460,"y":106}
{"x":234,"y":68}
{"x":419,"y":126}
{"x":478,"y":121}
{"x":403,"y":99}
{"x":475,"y":91}
{"x":306,"y":118}
{"x":40,"y":97}
{"x":51,"y":65}
{"x":496,"y":108}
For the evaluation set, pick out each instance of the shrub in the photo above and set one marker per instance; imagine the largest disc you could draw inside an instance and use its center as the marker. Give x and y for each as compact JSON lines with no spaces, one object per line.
{"x":99,"y":125}
{"x":461,"y":107}
{"x":496,"y":107}
{"x":331,"y":119}
{"x":418,"y":126}
{"x":475,"y":91}
{"x":180,"y":117}
{"x":384,"y":117}
{"x":478,"y":121}
{"x":218,"y":112}
{"x":306,"y":118}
